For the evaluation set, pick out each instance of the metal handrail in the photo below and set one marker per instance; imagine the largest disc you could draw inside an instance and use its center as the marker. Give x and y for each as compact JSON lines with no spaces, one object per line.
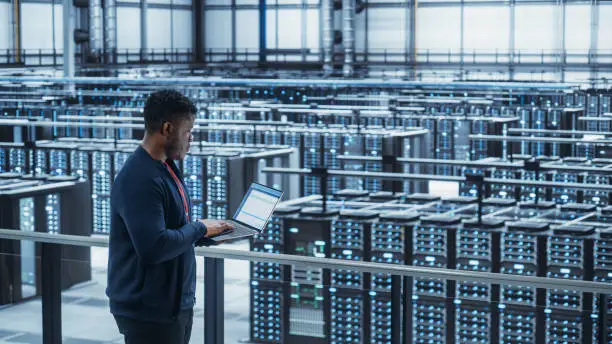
{"x":328,"y":263}
{"x":429,"y":177}
{"x":536,"y":139}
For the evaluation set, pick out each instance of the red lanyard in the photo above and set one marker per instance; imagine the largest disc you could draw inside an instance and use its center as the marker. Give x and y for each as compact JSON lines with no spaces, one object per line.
{"x":180,"y":188}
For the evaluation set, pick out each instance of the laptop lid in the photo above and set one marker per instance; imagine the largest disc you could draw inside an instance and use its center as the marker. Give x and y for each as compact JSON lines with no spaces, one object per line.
{"x":257,"y":206}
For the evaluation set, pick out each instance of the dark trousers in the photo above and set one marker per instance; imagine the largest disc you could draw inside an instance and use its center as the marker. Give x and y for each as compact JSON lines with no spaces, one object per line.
{"x":147,"y":332}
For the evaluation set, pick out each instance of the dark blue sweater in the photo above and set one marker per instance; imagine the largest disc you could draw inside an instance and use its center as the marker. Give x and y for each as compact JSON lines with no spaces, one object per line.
{"x":151,"y":261}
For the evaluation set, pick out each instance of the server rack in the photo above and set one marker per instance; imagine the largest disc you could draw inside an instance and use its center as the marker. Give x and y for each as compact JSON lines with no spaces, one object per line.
{"x":42,"y":204}
{"x":101,"y":167}
{"x":602,"y":307}
{"x":596,"y":197}
{"x":568,"y":195}
{"x":531,"y":193}
{"x":570,"y":256}
{"x":308,"y":307}
{"x":194,"y":172}
{"x":17,"y":160}
{"x":523,"y":252}
{"x":478,"y":249}
{"x":373,"y":146}
{"x":221,"y":199}
{"x":350,"y":240}
{"x":434,"y":241}
{"x":3,"y":160}
{"x":390,"y":309}
{"x":268,"y":317}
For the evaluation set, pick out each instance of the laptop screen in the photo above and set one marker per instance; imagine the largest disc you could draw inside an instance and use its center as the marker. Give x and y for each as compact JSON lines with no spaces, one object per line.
{"x":257,"y":206}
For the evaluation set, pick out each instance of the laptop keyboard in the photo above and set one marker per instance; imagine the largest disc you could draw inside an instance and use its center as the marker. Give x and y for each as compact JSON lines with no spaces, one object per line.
{"x":240,"y":229}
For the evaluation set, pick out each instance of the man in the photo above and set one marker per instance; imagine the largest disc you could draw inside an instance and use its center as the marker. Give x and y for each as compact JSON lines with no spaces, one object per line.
{"x":151,"y":260}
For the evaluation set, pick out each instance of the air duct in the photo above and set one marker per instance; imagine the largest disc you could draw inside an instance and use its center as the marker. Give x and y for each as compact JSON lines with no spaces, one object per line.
{"x":327,"y":6}
{"x":95,"y":27}
{"x":110,"y":30}
{"x":348,"y":36}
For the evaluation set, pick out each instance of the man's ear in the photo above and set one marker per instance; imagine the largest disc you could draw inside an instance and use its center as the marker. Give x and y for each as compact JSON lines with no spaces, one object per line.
{"x":166,"y":128}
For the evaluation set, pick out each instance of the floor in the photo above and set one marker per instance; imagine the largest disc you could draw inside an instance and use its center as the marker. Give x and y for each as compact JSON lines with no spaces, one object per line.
{"x":86,"y":318}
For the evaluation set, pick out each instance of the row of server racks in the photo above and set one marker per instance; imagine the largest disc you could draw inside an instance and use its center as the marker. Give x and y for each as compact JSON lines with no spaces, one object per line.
{"x":45,"y":205}
{"x":550,"y":169}
{"x":215,"y":192}
{"x":299,"y":304}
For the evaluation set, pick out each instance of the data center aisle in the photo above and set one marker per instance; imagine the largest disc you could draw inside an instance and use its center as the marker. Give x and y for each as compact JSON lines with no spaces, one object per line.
{"x":86,"y":318}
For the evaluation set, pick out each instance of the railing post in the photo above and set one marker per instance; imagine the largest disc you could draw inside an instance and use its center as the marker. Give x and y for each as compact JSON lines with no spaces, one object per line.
{"x":51,"y":293}
{"x":603,"y":318}
{"x":396,"y":309}
{"x":213,"y":300}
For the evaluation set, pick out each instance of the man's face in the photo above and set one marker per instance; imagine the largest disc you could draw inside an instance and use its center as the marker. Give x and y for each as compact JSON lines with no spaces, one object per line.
{"x":178,"y":138}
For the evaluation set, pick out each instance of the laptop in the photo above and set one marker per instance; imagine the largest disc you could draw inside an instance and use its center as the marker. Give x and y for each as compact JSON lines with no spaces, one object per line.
{"x":253,"y":214}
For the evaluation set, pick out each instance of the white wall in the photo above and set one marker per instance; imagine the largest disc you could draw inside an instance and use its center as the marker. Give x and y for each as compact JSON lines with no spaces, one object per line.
{"x":605,"y":28}
{"x":158,"y":28}
{"x":387,"y":28}
{"x":578,"y":28}
{"x":59,"y":27}
{"x":5,"y":25}
{"x":289,"y":29}
{"x":36,"y":29}
{"x":438,"y":29}
{"x":486,"y":28}
{"x":247,"y":32}
{"x":535,"y":28}
{"x":183,"y":29}
{"x":128,"y":28}
{"x":218,"y":29}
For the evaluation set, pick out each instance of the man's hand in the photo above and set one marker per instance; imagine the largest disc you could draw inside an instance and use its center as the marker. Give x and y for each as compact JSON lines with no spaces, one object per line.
{"x":216,"y":227}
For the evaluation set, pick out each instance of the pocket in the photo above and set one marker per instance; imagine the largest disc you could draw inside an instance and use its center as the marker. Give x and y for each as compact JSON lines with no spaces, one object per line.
{"x":158,"y":289}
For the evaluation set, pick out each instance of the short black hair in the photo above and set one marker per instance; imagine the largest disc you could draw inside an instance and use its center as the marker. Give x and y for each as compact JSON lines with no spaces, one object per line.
{"x":164,"y":106}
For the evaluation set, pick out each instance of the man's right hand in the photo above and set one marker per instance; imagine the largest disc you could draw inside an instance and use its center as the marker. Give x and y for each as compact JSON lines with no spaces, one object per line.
{"x":216,"y":227}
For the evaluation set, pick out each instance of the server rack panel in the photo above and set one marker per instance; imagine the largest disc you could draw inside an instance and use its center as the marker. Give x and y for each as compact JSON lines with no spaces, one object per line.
{"x":3,"y":160}
{"x":531,"y":193}
{"x":373,"y":147}
{"x":101,"y":160}
{"x":17,"y":160}
{"x":350,"y":240}
{"x":221,"y":199}
{"x":194,"y":172}
{"x":308,"y":308}
{"x":353,"y":145}
{"x":434,"y":241}
{"x":311,"y":158}
{"x":523,"y":252}
{"x":478,"y":249}
{"x":30,"y":209}
{"x":58,"y":156}
{"x":391,"y":243}
{"x":602,"y":308}
{"x":570,"y":256}
{"x":568,"y":195}
{"x":333,"y":143}
{"x":268,"y":290}
{"x":599,"y":198}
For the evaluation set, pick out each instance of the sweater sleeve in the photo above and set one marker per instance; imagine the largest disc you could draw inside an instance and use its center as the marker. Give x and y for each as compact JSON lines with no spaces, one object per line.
{"x":142,"y":211}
